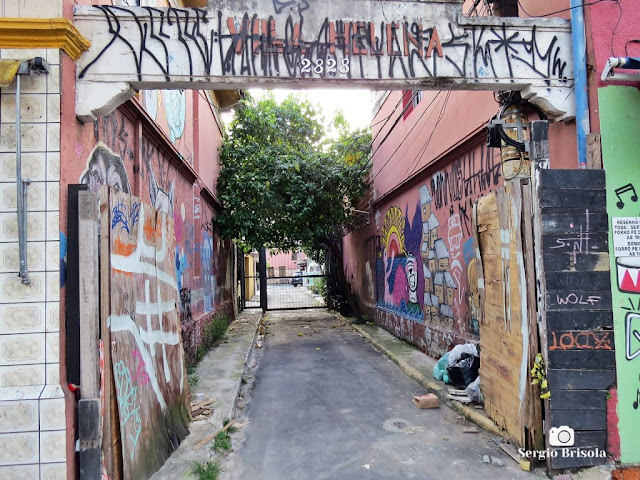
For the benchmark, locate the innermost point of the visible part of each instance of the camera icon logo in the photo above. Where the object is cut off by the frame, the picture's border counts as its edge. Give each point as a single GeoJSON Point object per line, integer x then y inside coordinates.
{"type": "Point", "coordinates": [563, 436]}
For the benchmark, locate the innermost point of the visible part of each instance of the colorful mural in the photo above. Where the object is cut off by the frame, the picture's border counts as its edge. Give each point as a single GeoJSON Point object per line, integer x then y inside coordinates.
{"type": "Point", "coordinates": [402, 270]}
{"type": "Point", "coordinates": [148, 172]}
{"type": "Point", "coordinates": [426, 273]}
{"type": "Point", "coordinates": [620, 123]}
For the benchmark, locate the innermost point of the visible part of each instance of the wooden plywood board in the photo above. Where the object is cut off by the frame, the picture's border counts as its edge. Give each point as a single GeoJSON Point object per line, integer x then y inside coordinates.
{"type": "Point", "coordinates": [534, 431]}
{"type": "Point", "coordinates": [479, 264]}
{"type": "Point", "coordinates": [493, 281]}
{"type": "Point", "coordinates": [146, 345]}
{"type": "Point", "coordinates": [505, 309]}
{"type": "Point", "coordinates": [111, 447]}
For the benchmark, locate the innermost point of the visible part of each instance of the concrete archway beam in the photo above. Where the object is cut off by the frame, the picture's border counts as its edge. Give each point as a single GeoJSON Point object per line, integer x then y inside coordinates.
{"type": "Point", "coordinates": [312, 43]}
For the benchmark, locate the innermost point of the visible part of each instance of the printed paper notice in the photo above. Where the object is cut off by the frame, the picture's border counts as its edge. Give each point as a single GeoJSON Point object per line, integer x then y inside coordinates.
{"type": "Point", "coordinates": [626, 236]}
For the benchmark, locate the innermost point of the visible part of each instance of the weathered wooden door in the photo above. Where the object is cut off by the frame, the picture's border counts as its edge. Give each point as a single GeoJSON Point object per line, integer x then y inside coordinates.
{"type": "Point", "coordinates": [144, 359]}
{"type": "Point", "coordinates": [508, 327]}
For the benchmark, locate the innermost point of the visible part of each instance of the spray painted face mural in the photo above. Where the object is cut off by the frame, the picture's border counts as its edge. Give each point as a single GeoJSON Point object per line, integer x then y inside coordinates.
{"type": "Point", "coordinates": [105, 167]}
{"type": "Point", "coordinates": [412, 277]}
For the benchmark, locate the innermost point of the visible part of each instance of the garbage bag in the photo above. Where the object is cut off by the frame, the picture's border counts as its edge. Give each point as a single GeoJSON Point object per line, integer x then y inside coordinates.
{"type": "Point", "coordinates": [473, 391]}
{"type": "Point", "coordinates": [464, 371]}
{"type": "Point", "coordinates": [440, 368]}
{"type": "Point", "coordinates": [456, 352]}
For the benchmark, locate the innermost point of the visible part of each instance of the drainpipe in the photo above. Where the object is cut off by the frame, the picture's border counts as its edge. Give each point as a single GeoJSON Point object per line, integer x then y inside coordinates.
{"type": "Point", "coordinates": [37, 65]}
{"type": "Point", "coordinates": [580, 73]}
{"type": "Point", "coordinates": [21, 189]}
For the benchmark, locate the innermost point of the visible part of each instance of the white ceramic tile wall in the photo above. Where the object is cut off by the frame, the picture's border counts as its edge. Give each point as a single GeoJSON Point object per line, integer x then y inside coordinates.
{"type": "Point", "coordinates": [32, 405]}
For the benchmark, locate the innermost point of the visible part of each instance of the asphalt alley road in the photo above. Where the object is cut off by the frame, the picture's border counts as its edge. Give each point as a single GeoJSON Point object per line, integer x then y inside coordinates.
{"type": "Point", "coordinates": [327, 405]}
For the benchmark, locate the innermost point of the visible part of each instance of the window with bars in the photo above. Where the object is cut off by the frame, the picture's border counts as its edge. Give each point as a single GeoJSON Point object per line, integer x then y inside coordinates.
{"type": "Point", "coordinates": [410, 100]}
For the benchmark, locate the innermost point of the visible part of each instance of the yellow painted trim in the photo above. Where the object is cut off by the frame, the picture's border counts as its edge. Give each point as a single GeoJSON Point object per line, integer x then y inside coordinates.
{"type": "Point", "coordinates": [57, 33]}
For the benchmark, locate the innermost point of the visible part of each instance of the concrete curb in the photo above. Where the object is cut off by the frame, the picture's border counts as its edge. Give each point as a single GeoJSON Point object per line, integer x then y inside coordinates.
{"type": "Point", "coordinates": [232, 410]}
{"type": "Point", "coordinates": [438, 389]}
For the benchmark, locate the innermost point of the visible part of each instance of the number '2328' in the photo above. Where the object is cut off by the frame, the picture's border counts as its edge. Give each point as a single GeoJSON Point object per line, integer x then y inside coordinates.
{"type": "Point", "coordinates": [319, 66]}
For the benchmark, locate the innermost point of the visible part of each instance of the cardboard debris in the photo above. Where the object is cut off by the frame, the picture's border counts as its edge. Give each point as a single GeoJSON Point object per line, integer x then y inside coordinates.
{"type": "Point", "coordinates": [427, 401]}
{"type": "Point", "coordinates": [200, 408]}
{"type": "Point", "coordinates": [455, 391]}
{"type": "Point", "coordinates": [459, 398]}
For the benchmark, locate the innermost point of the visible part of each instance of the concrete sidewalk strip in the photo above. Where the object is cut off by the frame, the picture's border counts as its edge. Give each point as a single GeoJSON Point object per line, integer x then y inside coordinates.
{"type": "Point", "coordinates": [219, 376]}
{"type": "Point", "coordinates": [419, 366]}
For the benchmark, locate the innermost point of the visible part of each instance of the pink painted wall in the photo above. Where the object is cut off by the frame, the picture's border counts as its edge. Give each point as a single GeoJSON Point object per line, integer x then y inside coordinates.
{"type": "Point", "coordinates": [206, 127]}
{"type": "Point", "coordinates": [612, 31]}
{"type": "Point", "coordinates": [613, 435]}
{"type": "Point", "coordinates": [108, 152]}
{"type": "Point", "coordinates": [119, 149]}
{"type": "Point", "coordinates": [427, 228]}
{"type": "Point", "coordinates": [421, 140]}
{"type": "Point", "coordinates": [276, 260]}
{"type": "Point", "coordinates": [439, 145]}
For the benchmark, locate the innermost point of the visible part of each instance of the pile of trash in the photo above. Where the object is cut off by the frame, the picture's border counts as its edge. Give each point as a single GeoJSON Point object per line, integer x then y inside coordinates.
{"type": "Point", "coordinates": [460, 368]}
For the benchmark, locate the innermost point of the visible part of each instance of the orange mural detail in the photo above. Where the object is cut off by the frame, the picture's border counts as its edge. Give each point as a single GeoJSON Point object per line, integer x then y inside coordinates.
{"type": "Point", "coordinates": [152, 230]}
{"type": "Point", "coordinates": [124, 249]}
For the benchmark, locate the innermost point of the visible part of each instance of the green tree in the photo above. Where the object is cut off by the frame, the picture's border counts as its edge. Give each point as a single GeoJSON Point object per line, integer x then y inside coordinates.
{"type": "Point", "coordinates": [284, 184]}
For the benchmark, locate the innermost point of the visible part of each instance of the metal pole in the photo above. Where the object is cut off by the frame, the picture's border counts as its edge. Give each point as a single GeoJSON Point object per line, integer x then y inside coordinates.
{"type": "Point", "coordinates": [579, 41]}
{"type": "Point", "coordinates": [264, 304]}
{"type": "Point", "coordinates": [242, 273]}
{"type": "Point", "coordinates": [21, 193]}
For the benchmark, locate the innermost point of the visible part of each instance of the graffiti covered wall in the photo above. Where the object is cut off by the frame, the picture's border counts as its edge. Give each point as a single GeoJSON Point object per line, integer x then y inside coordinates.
{"type": "Point", "coordinates": [620, 123]}
{"type": "Point", "coordinates": [146, 348]}
{"type": "Point", "coordinates": [426, 282]}
{"type": "Point", "coordinates": [113, 152]}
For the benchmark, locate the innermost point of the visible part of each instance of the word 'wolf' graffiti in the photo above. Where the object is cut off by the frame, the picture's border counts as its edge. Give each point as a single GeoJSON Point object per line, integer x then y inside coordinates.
{"type": "Point", "coordinates": [220, 43]}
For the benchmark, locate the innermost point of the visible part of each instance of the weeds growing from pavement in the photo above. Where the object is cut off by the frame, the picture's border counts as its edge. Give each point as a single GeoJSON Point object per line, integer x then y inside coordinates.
{"type": "Point", "coordinates": [231, 429]}
{"type": "Point", "coordinates": [192, 376]}
{"type": "Point", "coordinates": [206, 471]}
{"type": "Point", "coordinates": [213, 333]}
{"type": "Point", "coordinates": [222, 441]}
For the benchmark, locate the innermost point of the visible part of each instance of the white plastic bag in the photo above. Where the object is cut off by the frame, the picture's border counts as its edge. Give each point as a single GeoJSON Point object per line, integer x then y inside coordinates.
{"type": "Point", "coordinates": [458, 350]}
{"type": "Point", "coordinates": [473, 391]}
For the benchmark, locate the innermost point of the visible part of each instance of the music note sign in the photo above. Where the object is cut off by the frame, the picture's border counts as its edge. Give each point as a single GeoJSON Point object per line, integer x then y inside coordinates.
{"type": "Point", "coordinates": [624, 189]}
{"type": "Point", "coordinates": [635, 404]}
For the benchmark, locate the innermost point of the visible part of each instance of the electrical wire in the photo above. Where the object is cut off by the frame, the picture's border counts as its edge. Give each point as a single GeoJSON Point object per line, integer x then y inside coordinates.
{"type": "Point", "coordinates": [400, 117]}
{"type": "Point", "coordinates": [416, 161]}
{"type": "Point", "coordinates": [213, 109]}
{"type": "Point", "coordinates": [565, 9]}
{"type": "Point", "coordinates": [385, 119]}
{"type": "Point", "coordinates": [613, 33]}
{"type": "Point", "coordinates": [405, 137]}
{"type": "Point", "coordinates": [473, 8]}
{"type": "Point", "coordinates": [406, 107]}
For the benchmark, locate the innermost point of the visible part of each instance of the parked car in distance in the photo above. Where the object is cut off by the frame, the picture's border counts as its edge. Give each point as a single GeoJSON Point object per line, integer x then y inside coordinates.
{"type": "Point", "coordinates": [297, 279]}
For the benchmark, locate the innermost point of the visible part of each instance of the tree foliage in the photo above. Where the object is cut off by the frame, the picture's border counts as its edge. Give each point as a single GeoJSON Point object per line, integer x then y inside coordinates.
{"type": "Point", "coordinates": [284, 183]}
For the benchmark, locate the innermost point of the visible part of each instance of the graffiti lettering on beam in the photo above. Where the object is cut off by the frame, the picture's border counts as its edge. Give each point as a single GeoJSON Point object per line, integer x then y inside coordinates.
{"type": "Point", "coordinates": [392, 45]}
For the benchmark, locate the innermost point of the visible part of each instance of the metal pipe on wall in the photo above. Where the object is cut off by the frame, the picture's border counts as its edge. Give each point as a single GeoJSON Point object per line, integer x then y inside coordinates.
{"type": "Point", "coordinates": [36, 65]}
{"type": "Point", "coordinates": [579, 41]}
{"type": "Point", "coordinates": [21, 187]}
